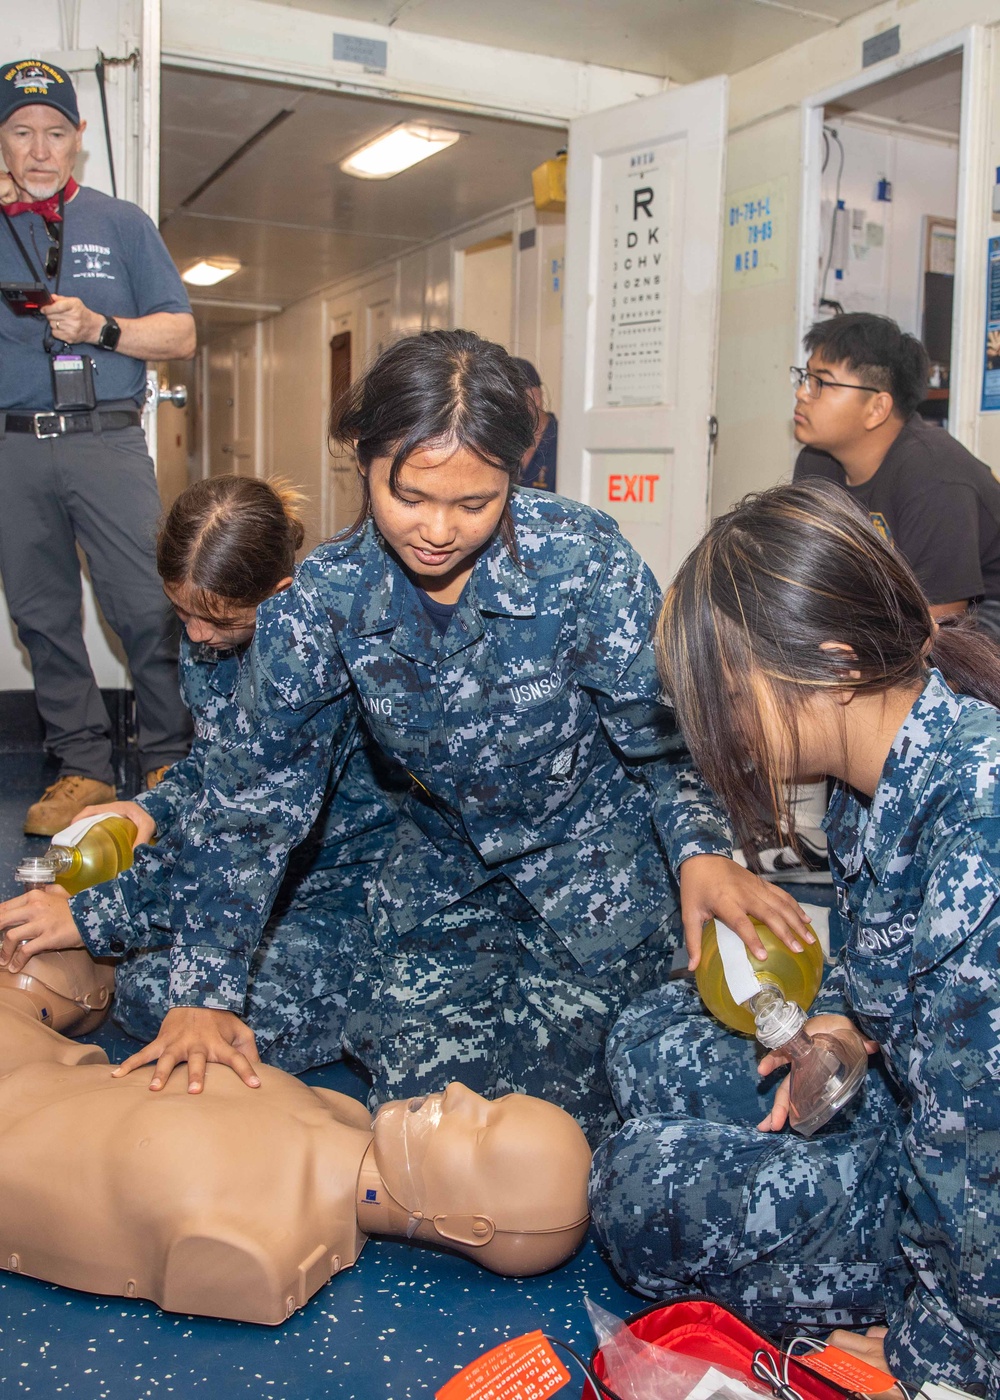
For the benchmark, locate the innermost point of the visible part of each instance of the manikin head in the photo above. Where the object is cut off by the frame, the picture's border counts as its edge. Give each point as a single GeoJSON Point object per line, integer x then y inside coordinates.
{"type": "Point", "coordinates": [503, 1181]}
{"type": "Point", "coordinates": [40, 128]}
{"type": "Point", "coordinates": [68, 991]}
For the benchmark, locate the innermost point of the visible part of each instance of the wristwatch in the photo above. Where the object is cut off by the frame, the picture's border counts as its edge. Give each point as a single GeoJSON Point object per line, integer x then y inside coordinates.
{"type": "Point", "coordinates": [111, 333]}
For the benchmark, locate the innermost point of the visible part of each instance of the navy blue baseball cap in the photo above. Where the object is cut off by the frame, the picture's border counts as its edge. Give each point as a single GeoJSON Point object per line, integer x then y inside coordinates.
{"type": "Point", "coordinates": [28, 81]}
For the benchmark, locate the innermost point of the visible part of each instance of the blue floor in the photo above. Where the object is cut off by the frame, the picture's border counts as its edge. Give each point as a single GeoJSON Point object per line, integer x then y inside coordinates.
{"type": "Point", "coordinates": [398, 1324]}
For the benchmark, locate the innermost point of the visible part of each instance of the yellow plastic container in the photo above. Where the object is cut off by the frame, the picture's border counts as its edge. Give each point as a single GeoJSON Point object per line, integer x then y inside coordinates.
{"type": "Point", "coordinates": [101, 853]}
{"type": "Point", "coordinates": [548, 184]}
{"type": "Point", "coordinates": [797, 975]}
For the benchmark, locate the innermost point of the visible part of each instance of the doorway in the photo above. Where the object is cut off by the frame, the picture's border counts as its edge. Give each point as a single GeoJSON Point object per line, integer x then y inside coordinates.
{"type": "Point", "coordinates": [887, 212]}
{"type": "Point", "coordinates": [253, 187]}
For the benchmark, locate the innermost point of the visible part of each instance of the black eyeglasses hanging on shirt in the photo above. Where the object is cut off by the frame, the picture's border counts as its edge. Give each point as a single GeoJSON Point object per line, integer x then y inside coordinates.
{"type": "Point", "coordinates": [27, 299]}
{"type": "Point", "coordinates": [72, 374]}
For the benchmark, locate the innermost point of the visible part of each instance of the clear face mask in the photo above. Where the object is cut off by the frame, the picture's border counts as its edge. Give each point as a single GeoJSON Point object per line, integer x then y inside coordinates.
{"type": "Point", "coordinates": [404, 1179]}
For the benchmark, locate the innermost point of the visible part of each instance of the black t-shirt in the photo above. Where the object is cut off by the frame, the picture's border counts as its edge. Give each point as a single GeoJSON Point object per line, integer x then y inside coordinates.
{"type": "Point", "coordinates": [440, 613]}
{"type": "Point", "coordinates": [936, 503]}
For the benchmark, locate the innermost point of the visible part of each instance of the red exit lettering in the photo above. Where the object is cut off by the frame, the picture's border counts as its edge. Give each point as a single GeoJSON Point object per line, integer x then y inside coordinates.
{"type": "Point", "coordinates": [640, 488]}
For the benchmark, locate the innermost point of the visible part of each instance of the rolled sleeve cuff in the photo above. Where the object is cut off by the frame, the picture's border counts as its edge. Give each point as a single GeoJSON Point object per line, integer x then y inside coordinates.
{"type": "Point", "coordinates": [103, 920]}
{"type": "Point", "coordinates": [206, 976]}
{"type": "Point", "coordinates": [683, 845]}
{"type": "Point", "coordinates": [831, 999]}
{"type": "Point", "coordinates": [691, 823]}
{"type": "Point", "coordinates": [926, 1342]}
{"type": "Point", "coordinates": [159, 805]}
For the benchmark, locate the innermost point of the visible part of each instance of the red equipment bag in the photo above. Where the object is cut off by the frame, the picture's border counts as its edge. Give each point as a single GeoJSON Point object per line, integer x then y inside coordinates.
{"type": "Point", "coordinates": [713, 1333]}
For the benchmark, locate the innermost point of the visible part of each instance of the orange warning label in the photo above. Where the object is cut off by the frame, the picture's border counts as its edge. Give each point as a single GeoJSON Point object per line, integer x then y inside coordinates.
{"type": "Point", "coordinates": [525, 1368]}
{"type": "Point", "coordinates": [848, 1371]}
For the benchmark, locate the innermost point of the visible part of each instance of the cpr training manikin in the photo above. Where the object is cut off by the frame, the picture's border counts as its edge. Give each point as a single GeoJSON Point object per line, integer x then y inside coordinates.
{"type": "Point", "coordinates": [242, 1203]}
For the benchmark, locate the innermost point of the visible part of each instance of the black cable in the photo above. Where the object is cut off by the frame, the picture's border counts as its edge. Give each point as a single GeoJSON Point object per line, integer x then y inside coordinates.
{"type": "Point", "coordinates": [99, 70]}
{"type": "Point", "coordinates": [230, 161]}
{"type": "Point", "coordinates": [833, 221]}
{"type": "Point", "coordinates": [579, 1361]}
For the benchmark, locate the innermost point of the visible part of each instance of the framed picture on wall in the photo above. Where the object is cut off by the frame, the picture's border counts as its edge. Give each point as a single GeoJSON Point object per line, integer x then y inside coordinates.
{"type": "Point", "coordinates": [939, 245]}
{"type": "Point", "coordinates": [938, 294]}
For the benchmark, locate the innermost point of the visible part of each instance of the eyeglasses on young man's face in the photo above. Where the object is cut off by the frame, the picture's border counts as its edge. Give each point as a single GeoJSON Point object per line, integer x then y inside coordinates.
{"type": "Point", "coordinates": [814, 385]}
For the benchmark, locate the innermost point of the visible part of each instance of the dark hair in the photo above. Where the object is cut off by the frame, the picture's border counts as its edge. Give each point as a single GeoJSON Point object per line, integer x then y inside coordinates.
{"type": "Point", "coordinates": [231, 538]}
{"type": "Point", "coordinates": [436, 389]}
{"type": "Point", "coordinates": [879, 353]}
{"type": "Point", "coordinates": [752, 605]}
{"type": "Point", "coordinates": [531, 376]}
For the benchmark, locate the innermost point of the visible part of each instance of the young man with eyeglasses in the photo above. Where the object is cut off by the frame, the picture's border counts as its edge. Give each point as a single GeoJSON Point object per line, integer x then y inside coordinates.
{"type": "Point", "coordinates": [74, 467]}
{"type": "Point", "coordinates": [855, 416]}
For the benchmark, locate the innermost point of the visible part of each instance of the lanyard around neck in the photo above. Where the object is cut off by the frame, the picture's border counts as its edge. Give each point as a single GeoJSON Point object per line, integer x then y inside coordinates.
{"type": "Point", "coordinates": [58, 237]}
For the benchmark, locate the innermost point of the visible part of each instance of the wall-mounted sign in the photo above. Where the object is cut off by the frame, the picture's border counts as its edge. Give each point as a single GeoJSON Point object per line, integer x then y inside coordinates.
{"type": "Point", "coordinates": [991, 350]}
{"type": "Point", "coordinates": [372, 54]}
{"type": "Point", "coordinates": [634, 487]}
{"type": "Point", "coordinates": [755, 235]}
{"type": "Point", "coordinates": [880, 47]}
{"type": "Point", "coordinates": [630, 365]}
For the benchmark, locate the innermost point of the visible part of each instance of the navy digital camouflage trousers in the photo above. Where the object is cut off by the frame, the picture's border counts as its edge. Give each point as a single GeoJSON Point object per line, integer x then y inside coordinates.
{"type": "Point", "coordinates": [485, 993]}
{"type": "Point", "coordinates": [689, 1197]}
{"type": "Point", "coordinates": [297, 992]}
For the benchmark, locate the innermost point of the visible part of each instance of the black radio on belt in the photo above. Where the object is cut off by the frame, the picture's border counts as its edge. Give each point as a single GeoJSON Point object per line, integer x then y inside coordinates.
{"type": "Point", "coordinates": [72, 382]}
{"type": "Point", "coordinates": [72, 375]}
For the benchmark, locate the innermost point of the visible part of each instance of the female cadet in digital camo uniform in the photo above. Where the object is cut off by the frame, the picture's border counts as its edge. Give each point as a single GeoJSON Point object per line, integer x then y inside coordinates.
{"type": "Point", "coordinates": [496, 643]}
{"type": "Point", "coordinates": [794, 606]}
{"type": "Point", "coordinates": [226, 544]}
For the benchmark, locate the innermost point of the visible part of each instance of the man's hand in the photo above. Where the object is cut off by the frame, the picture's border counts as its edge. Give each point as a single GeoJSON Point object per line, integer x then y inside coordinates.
{"type": "Point", "coordinates": [36, 922]}
{"type": "Point", "coordinates": [145, 826]}
{"type": "Point", "coordinates": [8, 190]}
{"type": "Point", "coordinates": [73, 322]}
{"type": "Point", "coordinates": [715, 887]}
{"type": "Point", "coordinates": [200, 1036]}
{"type": "Point", "coordinates": [778, 1117]}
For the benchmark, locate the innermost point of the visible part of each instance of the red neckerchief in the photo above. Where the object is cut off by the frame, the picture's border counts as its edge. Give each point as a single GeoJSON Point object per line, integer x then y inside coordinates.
{"type": "Point", "coordinates": [48, 208]}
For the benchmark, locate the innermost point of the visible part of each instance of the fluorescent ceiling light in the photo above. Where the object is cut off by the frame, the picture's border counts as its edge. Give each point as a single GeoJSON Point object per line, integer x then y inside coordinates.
{"type": "Point", "coordinates": [397, 150]}
{"type": "Point", "coordinates": [211, 270]}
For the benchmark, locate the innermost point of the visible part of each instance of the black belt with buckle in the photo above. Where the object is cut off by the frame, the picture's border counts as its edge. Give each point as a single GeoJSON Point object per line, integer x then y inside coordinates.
{"type": "Point", "coordinates": [53, 425]}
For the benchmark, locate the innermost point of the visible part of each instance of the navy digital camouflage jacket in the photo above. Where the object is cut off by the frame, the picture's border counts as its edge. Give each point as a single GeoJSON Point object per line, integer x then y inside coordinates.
{"type": "Point", "coordinates": [532, 730]}
{"type": "Point", "coordinates": [354, 824]}
{"type": "Point", "coordinates": [209, 684]}
{"type": "Point", "coordinates": [918, 876]}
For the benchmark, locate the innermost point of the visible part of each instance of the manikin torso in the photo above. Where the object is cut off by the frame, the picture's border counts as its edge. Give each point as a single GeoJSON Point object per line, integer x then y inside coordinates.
{"type": "Point", "coordinates": [124, 1219]}
{"type": "Point", "coordinates": [242, 1203]}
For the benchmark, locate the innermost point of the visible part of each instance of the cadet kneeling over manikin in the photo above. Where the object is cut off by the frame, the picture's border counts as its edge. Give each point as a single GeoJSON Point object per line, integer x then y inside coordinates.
{"type": "Point", "coordinates": [242, 1205]}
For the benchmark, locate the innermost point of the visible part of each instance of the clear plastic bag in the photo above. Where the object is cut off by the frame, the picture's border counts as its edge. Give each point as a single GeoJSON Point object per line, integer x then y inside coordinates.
{"type": "Point", "coordinates": [636, 1370]}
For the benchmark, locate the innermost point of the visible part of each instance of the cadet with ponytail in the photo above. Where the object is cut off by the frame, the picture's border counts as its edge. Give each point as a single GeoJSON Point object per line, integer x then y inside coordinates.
{"type": "Point", "coordinates": [795, 641]}
{"type": "Point", "coordinates": [226, 545]}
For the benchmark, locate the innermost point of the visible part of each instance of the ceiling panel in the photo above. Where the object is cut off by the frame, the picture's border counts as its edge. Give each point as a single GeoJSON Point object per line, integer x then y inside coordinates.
{"type": "Point", "coordinates": [929, 96]}
{"type": "Point", "coordinates": [679, 39]}
{"type": "Point", "coordinates": [293, 219]}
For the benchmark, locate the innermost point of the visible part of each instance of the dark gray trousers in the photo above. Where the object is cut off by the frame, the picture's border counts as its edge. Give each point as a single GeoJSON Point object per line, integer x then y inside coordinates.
{"type": "Point", "coordinates": [98, 490]}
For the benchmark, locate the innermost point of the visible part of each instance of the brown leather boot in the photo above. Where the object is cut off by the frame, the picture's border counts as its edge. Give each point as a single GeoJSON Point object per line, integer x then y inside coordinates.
{"type": "Point", "coordinates": [155, 775]}
{"type": "Point", "coordinates": [59, 804]}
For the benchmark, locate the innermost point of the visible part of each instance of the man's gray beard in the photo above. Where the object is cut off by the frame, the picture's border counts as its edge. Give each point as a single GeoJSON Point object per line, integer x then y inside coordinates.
{"type": "Point", "coordinates": [42, 193]}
